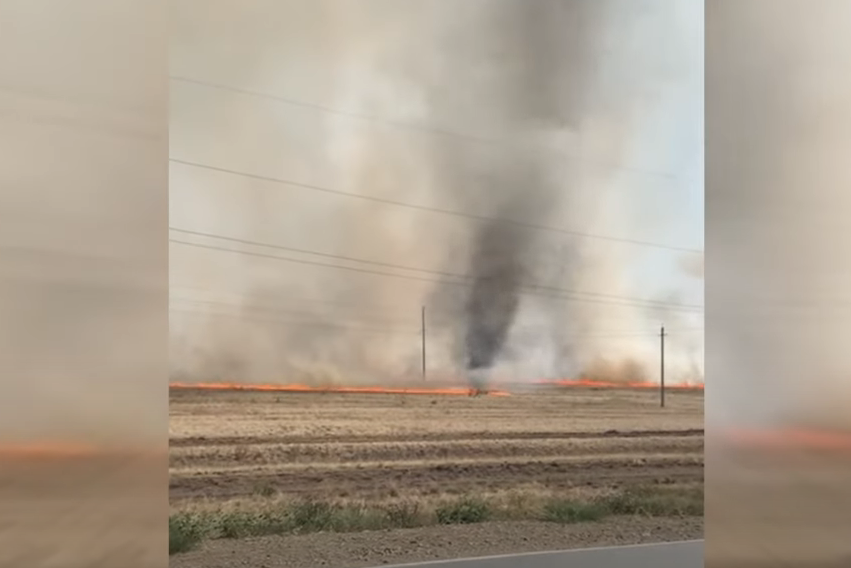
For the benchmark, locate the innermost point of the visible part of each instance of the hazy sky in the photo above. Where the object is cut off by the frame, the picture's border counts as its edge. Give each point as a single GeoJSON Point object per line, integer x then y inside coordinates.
{"type": "Point", "coordinates": [670, 140]}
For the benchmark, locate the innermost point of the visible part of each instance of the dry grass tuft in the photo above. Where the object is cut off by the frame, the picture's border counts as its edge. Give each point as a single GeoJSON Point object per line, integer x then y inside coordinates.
{"type": "Point", "coordinates": [188, 528]}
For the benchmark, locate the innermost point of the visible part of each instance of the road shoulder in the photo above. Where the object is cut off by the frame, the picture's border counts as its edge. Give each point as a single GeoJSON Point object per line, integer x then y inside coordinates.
{"type": "Point", "coordinates": [374, 548]}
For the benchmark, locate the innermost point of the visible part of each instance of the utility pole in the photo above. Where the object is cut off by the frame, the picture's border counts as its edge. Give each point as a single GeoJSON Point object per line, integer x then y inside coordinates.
{"type": "Point", "coordinates": [662, 367]}
{"type": "Point", "coordinates": [424, 342]}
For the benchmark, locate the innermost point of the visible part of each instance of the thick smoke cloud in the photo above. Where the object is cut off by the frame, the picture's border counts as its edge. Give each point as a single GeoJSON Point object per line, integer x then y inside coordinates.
{"type": "Point", "coordinates": [523, 52]}
{"type": "Point", "coordinates": [776, 178]}
{"type": "Point", "coordinates": [525, 98]}
{"type": "Point", "coordinates": [497, 275]}
{"type": "Point", "coordinates": [779, 280]}
{"type": "Point", "coordinates": [82, 202]}
{"type": "Point", "coordinates": [503, 109]}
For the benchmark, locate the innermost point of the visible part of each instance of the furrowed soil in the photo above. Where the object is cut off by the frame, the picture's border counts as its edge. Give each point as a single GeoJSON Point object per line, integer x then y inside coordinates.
{"type": "Point", "coordinates": [248, 449]}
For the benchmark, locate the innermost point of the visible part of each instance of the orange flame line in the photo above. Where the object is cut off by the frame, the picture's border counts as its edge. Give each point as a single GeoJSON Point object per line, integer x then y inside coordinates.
{"type": "Point", "coordinates": [339, 389]}
{"type": "Point", "coordinates": [457, 391]}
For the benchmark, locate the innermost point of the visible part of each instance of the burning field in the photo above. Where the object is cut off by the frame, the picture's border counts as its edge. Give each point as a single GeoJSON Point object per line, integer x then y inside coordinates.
{"type": "Point", "coordinates": [396, 460]}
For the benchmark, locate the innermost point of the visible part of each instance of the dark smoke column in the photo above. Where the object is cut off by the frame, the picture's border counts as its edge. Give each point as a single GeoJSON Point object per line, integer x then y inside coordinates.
{"type": "Point", "coordinates": [529, 98]}
{"type": "Point", "coordinates": [525, 50]}
{"type": "Point", "coordinates": [497, 276]}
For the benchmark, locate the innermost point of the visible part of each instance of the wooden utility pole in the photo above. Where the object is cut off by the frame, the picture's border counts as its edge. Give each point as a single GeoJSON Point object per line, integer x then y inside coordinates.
{"type": "Point", "coordinates": [424, 342]}
{"type": "Point", "coordinates": [662, 367]}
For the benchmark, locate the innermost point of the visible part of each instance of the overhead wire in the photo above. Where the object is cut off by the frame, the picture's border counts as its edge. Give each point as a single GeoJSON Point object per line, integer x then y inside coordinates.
{"type": "Point", "coordinates": [525, 291]}
{"type": "Point", "coordinates": [419, 127]}
{"type": "Point", "coordinates": [437, 210]}
{"type": "Point", "coordinates": [462, 277]}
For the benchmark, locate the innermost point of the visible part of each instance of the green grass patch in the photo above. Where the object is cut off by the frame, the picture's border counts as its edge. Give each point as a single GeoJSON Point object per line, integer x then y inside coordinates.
{"type": "Point", "coordinates": [405, 514]}
{"type": "Point", "coordinates": [565, 511]}
{"type": "Point", "coordinates": [358, 517]}
{"type": "Point", "coordinates": [187, 530]}
{"type": "Point", "coordinates": [312, 515]}
{"type": "Point", "coordinates": [240, 524]}
{"type": "Point", "coordinates": [463, 511]}
{"type": "Point", "coordinates": [656, 502]}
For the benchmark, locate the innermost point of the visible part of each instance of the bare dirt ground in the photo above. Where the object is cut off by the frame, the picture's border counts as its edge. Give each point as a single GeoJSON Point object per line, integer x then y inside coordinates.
{"type": "Point", "coordinates": [248, 446]}
{"type": "Point", "coordinates": [227, 445]}
{"type": "Point", "coordinates": [357, 550]}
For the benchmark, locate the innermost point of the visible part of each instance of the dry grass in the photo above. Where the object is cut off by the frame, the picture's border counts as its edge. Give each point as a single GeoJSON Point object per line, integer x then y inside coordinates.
{"type": "Point", "coordinates": [283, 455]}
{"type": "Point", "coordinates": [189, 527]}
{"type": "Point", "coordinates": [294, 416]}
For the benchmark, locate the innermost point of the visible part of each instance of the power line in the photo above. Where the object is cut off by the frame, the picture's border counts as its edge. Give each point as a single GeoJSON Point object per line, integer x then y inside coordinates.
{"type": "Point", "coordinates": [398, 124]}
{"type": "Point", "coordinates": [285, 310]}
{"type": "Point", "coordinates": [302, 300]}
{"type": "Point", "coordinates": [390, 330]}
{"type": "Point", "coordinates": [467, 277]}
{"type": "Point", "coordinates": [459, 214]}
{"type": "Point", "coordinates": [411, 277]}
{"type": "Point", "coordinates": [376, 309]}
{"type": "Point", "coordinates": [302, 323]}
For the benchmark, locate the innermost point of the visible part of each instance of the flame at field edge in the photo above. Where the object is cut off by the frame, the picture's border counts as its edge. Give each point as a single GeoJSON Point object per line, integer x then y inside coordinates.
{"type": "Point", "coordinates": [296, 388]}
{"type": "Point", "coordinates": [422, 390]}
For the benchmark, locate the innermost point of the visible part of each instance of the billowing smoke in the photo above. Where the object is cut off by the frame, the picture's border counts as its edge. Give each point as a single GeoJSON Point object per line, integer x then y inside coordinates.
{"type": "Point", "coordinates": [776, 171]}
{"type": "Point", "coordinates": [524, 97]}
{"type": "Point", "coordinates": [494, 297]}
{"type": "Point", "coordinates": [82, 192]}
{"type": "Point", "coordinates": [507, 110]}
{"type": "Point", "coordinates": [527, 58]}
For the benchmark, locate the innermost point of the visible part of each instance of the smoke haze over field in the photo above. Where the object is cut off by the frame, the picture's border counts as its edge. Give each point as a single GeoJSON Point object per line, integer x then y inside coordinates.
{"type": "Point", "coordinates": [502, 109]}
{"type": "Point", "coordinates": [83, 197]}
{"type": "Point", "coordinates": [525, 95]}
{"type": "Point", "coordinates": [777, 185]}
{"type": "Point", "coordinates": [779, 282]}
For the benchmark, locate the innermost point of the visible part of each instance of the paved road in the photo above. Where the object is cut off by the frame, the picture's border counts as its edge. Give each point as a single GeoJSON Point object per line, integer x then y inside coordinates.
{"type": "Point", "coordinates": [687, 554]}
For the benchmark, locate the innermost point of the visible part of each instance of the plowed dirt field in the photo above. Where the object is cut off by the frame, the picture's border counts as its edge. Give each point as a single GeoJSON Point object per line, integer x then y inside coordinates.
{"type": "Point", "coordinates": [241, 449]}
{"type": "Point", "coordinates": [226, 445]}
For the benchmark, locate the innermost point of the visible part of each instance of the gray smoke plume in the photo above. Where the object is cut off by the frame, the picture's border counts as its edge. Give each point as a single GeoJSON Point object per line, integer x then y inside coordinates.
{"type": "Point", "coordinates": [498, 273]}
{"type": "Point", "coordinates": [524, 50]}
{"type": "Point", "coordinates": [776, 178]}
{"type": "Point", "coordinates": [507, 109]}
